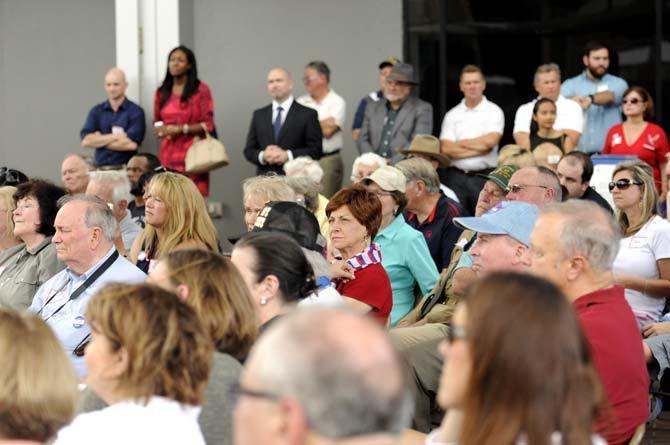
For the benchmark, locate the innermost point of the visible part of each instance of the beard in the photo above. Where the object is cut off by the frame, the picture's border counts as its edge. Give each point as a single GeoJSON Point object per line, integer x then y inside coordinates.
{"type": "Point", "coordinates": [135, 190]}
{"type": "Point", "coordinates": [595, 73]}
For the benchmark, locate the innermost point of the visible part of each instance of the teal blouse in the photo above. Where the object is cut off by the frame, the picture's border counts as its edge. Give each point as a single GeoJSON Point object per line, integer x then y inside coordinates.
{"type": "Point", "coordinates": [407, 261]}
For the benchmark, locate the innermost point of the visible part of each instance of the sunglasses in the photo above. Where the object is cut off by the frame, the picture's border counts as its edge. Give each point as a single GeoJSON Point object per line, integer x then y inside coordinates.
{"type": "Point", "coordinates": [516, 188]}
{"type": "Point", "coordinates": [622, 184]}
{"type": "Point", "coordinates": [633, 101]}
{"type": "Point", "coordinates": [79, 350]}
{"type": "Point", "coordinates": [455, 333]}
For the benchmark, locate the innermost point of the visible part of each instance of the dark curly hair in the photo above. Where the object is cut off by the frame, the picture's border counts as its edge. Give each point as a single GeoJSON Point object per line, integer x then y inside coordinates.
{"type": "Point", "coordinates": [47, 195]}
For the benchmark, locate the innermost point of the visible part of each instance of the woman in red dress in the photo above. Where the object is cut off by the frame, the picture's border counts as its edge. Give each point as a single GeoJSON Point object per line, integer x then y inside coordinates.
{"type": "Point", "coordinates": [182, 103]}
{"type": "Point", "coordinates": [639, 137]}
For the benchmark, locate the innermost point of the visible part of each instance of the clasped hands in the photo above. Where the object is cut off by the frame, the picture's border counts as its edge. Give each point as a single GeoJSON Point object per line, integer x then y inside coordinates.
{"type": "Point", "coordinates": [274, 154]}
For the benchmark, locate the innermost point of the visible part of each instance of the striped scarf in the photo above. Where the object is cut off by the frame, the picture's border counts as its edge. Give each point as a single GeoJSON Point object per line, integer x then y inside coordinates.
{"type": "Point", "coordinates": [371, 255]}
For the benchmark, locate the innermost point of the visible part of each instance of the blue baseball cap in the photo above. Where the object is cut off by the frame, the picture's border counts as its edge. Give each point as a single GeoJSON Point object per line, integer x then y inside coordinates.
{"type": "Point", "coordinates": [511, 218]}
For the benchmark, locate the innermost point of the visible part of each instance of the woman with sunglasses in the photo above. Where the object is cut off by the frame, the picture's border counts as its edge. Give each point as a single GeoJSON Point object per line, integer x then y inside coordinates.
{"type": "Point", "coordinates": [642, 265]}
{"type": "Point", "coordinates": [638, 136]}
{"type": "Point", "coordinates": [149, 359]}
{"type": "Point", "coordinates": [552, 393]}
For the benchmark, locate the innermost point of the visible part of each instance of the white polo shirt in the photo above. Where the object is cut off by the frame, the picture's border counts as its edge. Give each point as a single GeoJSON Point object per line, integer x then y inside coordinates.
{"type": "Point", "coordinates": [569, 116]}
{"type": "Point", "coordinates": [462, 122]}
{"type": "Point", "coordinates": [331, 106]}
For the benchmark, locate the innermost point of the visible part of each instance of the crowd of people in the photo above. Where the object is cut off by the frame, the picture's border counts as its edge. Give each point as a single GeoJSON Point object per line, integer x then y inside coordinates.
{"type": "Point", "coordinates": [450, 292]}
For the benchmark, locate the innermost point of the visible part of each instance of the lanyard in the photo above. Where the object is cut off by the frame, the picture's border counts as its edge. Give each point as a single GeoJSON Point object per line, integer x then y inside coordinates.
{"type": "Point", "coordinates": [85, 285]}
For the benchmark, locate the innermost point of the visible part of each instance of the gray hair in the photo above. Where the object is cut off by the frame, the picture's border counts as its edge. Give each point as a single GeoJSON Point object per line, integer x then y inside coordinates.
{"type": "Point", "coordinates": [304, 166]}
{"type": "Point", "coordinates": [367, 159]}
{"type": "Point", "coordinates": [269, 188]}
{"type": "Point", "coordinates": [98, 213]}
{"type": "Point", "coordinates": [304, 186]}
{"type": "Point", "coordinates": [90, 162]}
{"type": "Point", "coordinates": [318, 262]}
{"type": "Point", "coordinates": [418, 169]}
{"type": "Point", "coordinates": [306, 352]}
{"type": "Point", "coordinates": [586, 229]}
{"type": "Point", "coordinates": [117, 180]}
{"type": "Point", "coordinates": [548, 178]}
{"type": "Point", "coordinates": [547, 68]}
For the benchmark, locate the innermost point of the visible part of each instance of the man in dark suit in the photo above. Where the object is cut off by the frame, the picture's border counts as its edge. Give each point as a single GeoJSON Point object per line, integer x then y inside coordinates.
{"type": "Point", "coordinates": [282, 130]}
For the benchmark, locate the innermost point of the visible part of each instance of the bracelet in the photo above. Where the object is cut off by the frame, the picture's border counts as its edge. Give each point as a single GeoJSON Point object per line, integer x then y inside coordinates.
{"type": "Point", "coordinates": [184, 129]}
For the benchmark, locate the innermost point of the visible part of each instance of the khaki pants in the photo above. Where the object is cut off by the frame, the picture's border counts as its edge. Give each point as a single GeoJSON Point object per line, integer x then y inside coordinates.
{"type": "Point", "coordinates": [333, 170]}
{"type": "Point", "coordinates": [418, 347]}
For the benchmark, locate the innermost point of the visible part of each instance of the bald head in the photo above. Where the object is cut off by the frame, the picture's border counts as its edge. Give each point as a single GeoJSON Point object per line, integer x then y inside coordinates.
{"type": "Point", "coordinates": [280, 84]}
{"type": "Point", "coordinates": [339, 367]}
{"type": "Point", "coordinates": [115, 84]}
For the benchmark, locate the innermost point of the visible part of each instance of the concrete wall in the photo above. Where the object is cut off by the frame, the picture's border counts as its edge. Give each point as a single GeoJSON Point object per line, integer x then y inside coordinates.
{"type": "Point", "coordinates": [53, 56]}
{"type": "Point", "coordinates": [237, 42]}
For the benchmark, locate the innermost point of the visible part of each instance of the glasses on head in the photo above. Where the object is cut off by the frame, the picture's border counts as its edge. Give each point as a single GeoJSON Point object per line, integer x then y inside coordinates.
{"type": "Point", "coordinates": [632, 101]}
{"type": "Point", "coordinates": [516, 188]}
{"type": "Point", "coordinates": [236, 390]}
{"type": "Point", "coordinates": [622, 184]}
{"type": "Point", "coordinates": [79, 350]}
{"type": "Point", "coordinates": [455, 333]}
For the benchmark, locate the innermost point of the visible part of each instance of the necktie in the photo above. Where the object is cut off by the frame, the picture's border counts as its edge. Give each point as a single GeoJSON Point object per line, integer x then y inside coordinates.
{"type": "Point", "coordinates": [277, 123]}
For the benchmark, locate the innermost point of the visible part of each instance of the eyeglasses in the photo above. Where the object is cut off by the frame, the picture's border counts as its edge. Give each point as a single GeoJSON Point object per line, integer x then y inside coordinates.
{"type": "Point", "coordinates": [622, 184]}
{"type": "Point", "coordinates": [516, 188]}
{"type": "Point", "coordinates": [79, 350]}
{"type": "Point", "coordinates": [236, 390]}
{"type": "Point", "coordinates": [632, 101]}
{"type": "Point", "coordinates": [455, 333]}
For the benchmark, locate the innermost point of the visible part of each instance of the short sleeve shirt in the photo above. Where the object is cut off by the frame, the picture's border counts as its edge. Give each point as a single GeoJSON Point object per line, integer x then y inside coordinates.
{"type": "Point", "coordinates": [651, 147]}
{"type": "Point", "coordinates": [569, 116]}
{"type": "Point", "coordinates": [637, 256]}
{"type": "Point", "coordinates": [462, 122]}
{"type": "Point", "coordinates": [331, 106]}
{"type": "Point", "coordinates": [372, 287]}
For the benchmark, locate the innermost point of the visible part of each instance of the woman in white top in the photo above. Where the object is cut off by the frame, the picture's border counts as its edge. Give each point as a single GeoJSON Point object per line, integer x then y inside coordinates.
{"type": "Point", "coordinates": [517, 368]}
{"type": "Point", "coordinates": [149, 359]}
{"type": "Point", "coordinates": [642, 265]}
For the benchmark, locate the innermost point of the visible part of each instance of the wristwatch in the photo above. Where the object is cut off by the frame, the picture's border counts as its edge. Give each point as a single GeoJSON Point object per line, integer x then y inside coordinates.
{"type": "Point", "coordinates": [184, 129]}
{"type": "Point", "coordinates": [592, 99]}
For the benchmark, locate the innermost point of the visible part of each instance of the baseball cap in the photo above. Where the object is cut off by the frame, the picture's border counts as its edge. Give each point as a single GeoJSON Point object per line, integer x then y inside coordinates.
{"type": "Point", "coordinates": [292, 219]}
{"type": "Point", "coordinates": [501, 175]}
{"type": "Point", "coordinates": [512, 218]}
{"type": "Point", "coordinates": [389, 61]}
{"type": "Point", "coordinates": [388, 178]}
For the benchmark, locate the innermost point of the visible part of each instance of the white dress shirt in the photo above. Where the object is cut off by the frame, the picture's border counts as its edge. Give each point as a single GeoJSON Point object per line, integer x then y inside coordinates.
{"type": "Point", "coordinates": [462, 122]}
{"type": "Point", "coordinates": [331, 106]}
{"type": "Point", "coordinates": [286, 105]}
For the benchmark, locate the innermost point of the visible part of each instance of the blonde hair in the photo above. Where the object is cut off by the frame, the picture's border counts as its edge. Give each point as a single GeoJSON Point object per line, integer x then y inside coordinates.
{"type": "Point", "coordinates": [642, 172]}
{"type": "Point", "coordinates": [169, 354]}
{"type": "Point", "coordinates": [516, 156]}
{"type": "Point", "coordinates": [219, 295]}
{"type": "Point", "coordinates": [38, 385]}
{"type": "Point", "coordinates": [268, 188]}
{"type": "Point", "coordinates": [7, 198]}
{"type": "Point", "coordinates": [187, 216]}
{"type": "Point", "coordinates": [547, 155]}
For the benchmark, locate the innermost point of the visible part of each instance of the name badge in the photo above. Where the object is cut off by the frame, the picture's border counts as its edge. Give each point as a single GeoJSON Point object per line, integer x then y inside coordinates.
{"type": "Point", "coordinates": [602, 87]}
{"type": "Point", "coordinates": [117, 130]}
{"type": "Point", "coordinates": [616, 139]}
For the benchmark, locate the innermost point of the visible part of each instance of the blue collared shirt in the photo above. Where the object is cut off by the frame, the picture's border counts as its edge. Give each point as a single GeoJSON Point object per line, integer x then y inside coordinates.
{"type": "Point", "coordinates": [102, 118]}
{"type": "Point", "coordinates": [598, 118]}
{"type": "Point", "coordinates": [69, 323]}
{"type": "Point", "coordinates": [407, 261]}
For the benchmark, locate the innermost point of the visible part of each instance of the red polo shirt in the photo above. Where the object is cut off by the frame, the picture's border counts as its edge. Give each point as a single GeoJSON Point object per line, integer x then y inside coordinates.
{"type": "Point", "coordinates": [616, 347]}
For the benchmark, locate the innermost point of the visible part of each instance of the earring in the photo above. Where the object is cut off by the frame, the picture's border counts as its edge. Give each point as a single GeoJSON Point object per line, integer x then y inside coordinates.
{"type": "Point", "coordinates": [264, 301]}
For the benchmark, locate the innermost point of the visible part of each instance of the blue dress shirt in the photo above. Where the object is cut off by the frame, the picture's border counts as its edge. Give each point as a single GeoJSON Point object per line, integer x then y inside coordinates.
{"type": "Point", "coordinates": [69, 324]}
{"type": "Point", "coordinates": [598, 118]}
{"type": "Point", "coordinates": [102, 118]}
